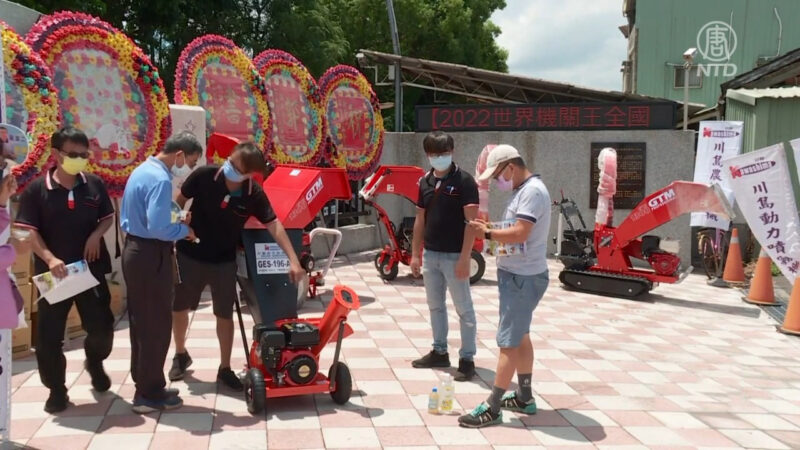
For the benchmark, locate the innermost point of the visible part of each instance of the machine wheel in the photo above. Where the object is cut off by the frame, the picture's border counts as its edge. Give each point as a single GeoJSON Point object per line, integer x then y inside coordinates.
{"type": "Point", "coordinates": [255, 391]}
{"type": "Point", "coordinates": [387, 273]}
{"type": "Point", "coordinates": [378, 261]}
{"type": "Point", "coordinates": [477, 266]}
{"type": "Point", "coordinates": [709, 255]}
{"type": "Point", "coordinates": [344, 384]}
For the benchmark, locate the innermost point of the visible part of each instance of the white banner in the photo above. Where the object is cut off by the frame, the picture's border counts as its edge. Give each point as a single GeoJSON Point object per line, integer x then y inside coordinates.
{"type": "Point", "coordinates": [760, 181]}
{"type": "Point", "coordinates": [796, 147]}
{"type": "Point", "coordinates": [718, 141]}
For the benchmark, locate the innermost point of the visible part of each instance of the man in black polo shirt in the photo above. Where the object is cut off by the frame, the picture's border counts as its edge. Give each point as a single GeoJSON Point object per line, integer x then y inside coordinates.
{"type": "Point", "coordinates": [448, 197]}
{"type": "Point", "coordinates": [68, 211]}
{"type": "Point", "coordinates": [224, 198]}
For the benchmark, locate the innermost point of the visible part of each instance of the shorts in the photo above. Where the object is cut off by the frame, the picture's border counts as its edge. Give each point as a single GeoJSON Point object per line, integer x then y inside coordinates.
{"type": "Point", "coordinates": [196, 275]}
{"type": "Point", "coordinates": [519, 296]}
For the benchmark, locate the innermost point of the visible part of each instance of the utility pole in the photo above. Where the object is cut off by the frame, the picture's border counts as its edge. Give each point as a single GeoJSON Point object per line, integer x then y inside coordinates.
{"type": "Point", "coordinates": [398, 82]}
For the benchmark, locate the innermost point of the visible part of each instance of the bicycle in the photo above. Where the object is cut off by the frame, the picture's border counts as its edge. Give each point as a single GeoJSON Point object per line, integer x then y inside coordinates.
{"type": "Point", "coordinates": [711, 249]}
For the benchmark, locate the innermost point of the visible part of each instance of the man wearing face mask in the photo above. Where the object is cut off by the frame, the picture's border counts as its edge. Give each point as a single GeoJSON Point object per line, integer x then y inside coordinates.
{"type": "Point", "coordinates": [184, 165]}
{"type": "Point", "coordinates": [68, 211]}
{"type": "Point", "coordinates": [447, 198]}
{"type": "Point", "coordinates": [223, 198]}
{"type": "Point", "coordinates": [522, 279]}
{"type": "Point", "coordinates": [148, 263]}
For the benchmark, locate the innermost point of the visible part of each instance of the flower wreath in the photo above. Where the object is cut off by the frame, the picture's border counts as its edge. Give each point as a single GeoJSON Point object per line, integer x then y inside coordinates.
{"type": "Point", "coordinates": [71, 43]}
{"type": "Point", "coordinates": [275, 65]}
{"type": "Point", "coordinates": [32, 80]}
{"type": "Point", "coordinates": [359, 163]}
{"type": "Point", "coordinates": [194, 60]}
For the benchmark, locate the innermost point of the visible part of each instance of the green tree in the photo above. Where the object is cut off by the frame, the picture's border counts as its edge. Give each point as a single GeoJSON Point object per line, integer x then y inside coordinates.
{"type": "Point", "coordinates": [321, 33]}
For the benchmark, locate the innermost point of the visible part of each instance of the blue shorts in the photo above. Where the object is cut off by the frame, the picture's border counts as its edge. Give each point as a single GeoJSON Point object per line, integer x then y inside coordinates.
{"type": "Point", "coordinates": [519, 296]}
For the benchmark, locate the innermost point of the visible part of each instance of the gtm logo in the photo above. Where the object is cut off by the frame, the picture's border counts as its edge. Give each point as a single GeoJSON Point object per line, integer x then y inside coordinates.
{"type": "Point", "coordinates": [661, 199]}
{"type": "Point", "coordinates": [314, 191]}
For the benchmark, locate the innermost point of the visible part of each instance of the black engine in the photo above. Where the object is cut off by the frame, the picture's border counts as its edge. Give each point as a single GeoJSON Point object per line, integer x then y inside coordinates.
{"type": "Point", "coordinates": [286, 351]}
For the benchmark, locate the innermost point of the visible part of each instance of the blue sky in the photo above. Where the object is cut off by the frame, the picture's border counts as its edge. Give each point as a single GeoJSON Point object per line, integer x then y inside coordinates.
{"type": "Point", "coordinates": [573, 41]}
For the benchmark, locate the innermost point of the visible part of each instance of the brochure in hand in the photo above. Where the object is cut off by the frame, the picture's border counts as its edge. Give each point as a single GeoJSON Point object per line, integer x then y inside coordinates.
{"type": "Point", "coordinates": [495, 248]}
{"type": "Point", "coordinates": [53, 289]}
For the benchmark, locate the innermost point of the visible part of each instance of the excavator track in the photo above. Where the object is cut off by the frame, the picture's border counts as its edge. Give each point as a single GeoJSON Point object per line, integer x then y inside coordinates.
{"type": "Point", "coordinates": [605, 283]}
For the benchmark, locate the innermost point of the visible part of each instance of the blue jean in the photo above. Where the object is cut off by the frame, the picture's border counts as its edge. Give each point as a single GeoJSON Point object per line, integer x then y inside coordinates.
{"type": "Point", "coordinates": [438, 270]}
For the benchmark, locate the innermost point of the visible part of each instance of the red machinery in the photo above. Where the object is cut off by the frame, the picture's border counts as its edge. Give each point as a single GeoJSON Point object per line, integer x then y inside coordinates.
{"type": "Point", "coordinates": [599, 261]}
{"type": "Point", "coordinates": [297, 195]}
{"type": "Point", "coordinates": [404, 181]}
{"type": "Point", "coordinates": [283, 359]}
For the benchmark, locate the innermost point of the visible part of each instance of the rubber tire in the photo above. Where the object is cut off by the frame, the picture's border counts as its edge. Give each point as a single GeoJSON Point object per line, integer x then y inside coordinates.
{"type": "Point", "coordinates": [390, 274]}
{"type": "Point", "coordinates": [710, 262]}
{"type": "Point", "coordinates": [255, 391]}
{"type": "Point", "coordinates": [344, 384]}
{"type": "Point", "coordinates": [378, 261]}
{"type": "Point", "coordinates": [478, 258]}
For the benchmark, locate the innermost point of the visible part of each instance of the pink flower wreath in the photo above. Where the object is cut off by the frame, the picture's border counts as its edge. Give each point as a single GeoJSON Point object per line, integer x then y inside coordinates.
{"type": "Point", "coordinates": [128, 98]}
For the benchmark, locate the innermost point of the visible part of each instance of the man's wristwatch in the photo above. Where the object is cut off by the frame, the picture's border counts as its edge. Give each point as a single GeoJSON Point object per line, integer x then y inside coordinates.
{"type": "Point", "coordinates": [487, 235]}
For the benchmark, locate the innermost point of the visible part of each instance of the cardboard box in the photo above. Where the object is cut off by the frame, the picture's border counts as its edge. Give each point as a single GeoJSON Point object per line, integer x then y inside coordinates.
{"type": "Point", "coordinates": [34, 299]}
{"type": "Point", "coordinates": [26, 290]}
{"type": "Point", "coordinates": [73, 318]}
{"type": "Point", "coordinates": [118, 302]}
{"type": "Point", "coordinates": [20, 342]}
{"type": "Point", "coordinates": [23, 267]}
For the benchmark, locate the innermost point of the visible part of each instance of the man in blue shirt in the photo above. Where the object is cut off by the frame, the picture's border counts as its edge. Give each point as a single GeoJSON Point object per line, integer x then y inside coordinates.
{"type": "Point", "coordinates": [148, 265]}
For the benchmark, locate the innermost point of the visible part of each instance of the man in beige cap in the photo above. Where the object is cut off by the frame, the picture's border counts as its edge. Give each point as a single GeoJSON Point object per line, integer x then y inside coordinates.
{"type": "Point", "coordinates": [522, 279]}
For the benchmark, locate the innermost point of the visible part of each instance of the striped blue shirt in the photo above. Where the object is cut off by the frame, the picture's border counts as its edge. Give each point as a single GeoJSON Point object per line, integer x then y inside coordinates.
{"type": "Point", "coordinates": [147, 204]}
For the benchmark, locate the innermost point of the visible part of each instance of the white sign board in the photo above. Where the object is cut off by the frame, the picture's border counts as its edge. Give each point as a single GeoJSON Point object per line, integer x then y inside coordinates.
{"type": "Point", "coordinates": [270, 259]}
{"type": "Point", "coordinates": [718, 141]}
{"type": "Point", "coordinates": [760, 181]}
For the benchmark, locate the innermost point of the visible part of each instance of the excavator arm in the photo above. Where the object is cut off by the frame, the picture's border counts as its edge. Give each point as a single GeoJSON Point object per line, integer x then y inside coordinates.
{"type": "Point", "coordinates": [666, 204]}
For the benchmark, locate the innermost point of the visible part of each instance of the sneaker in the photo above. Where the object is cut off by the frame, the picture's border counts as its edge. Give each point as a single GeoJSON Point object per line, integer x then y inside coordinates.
{"type": "Point", "coordinates": [56, 402]}
{"type": "Point", "coordinates": [180, 362]}
{"type": "Point", "coordinates": [142, 405]}
{"type": "Point", "coordinates": [100, 380]}
{"type": "Point", "coordinates": [432, 359]}
{"type": "Point", "coordinates": [481, 416]}
{"type": "Point", "coordinates": [230, 379]}
{"type": "Point", "coordinates": [171, 392]}
{"type": "Point", "coordinates": [511, 402]}
{"type": "Point", "coordinates": [466, 370]}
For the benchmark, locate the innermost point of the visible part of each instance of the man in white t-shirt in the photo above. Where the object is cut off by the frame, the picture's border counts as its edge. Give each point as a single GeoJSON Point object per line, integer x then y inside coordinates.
{"type": "Point", "coordinates": [522, 279]}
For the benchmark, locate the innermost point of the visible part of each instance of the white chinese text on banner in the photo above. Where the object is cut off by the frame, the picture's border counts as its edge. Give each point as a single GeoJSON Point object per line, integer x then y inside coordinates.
{"type": "Point", "coordinates": [717, 141]}
{"type": "Point", "coordinates": [760, 181]}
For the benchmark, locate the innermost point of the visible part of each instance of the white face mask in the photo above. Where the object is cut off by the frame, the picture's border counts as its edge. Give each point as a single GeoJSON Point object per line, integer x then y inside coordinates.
{"type": "Point", "coordinates": [181, 172]}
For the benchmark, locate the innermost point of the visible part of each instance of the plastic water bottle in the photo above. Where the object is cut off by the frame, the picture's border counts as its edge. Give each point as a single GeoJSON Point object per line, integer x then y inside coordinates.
{"type": "Point", "coordinates": [448, 391]}
{"type": "Point", "coordinates": [433, 402]}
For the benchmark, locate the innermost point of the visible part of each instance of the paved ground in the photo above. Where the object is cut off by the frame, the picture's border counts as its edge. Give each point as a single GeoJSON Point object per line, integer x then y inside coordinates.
{"type": "Point", "coordinates": [693, 367]}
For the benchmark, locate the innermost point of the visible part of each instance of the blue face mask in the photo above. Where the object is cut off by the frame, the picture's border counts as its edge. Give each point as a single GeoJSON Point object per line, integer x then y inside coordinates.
{"type": "Point", "coordinates": [231, 173]}
{"type": "Point", "coordinates": [441, 162]}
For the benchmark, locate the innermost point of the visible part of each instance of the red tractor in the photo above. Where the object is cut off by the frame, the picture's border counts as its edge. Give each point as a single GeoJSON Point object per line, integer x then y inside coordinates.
{"type": "Point", "coordinates": [599, 261]}
{"type": "Point", "coordinates": [404, 182]}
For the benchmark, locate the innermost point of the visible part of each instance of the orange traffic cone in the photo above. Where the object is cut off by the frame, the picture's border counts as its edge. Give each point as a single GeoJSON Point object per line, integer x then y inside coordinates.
{"type": "Point", "coordinates": [734, 270]}
{"type": "Point", "coordinates": [791, 324]}
{"type": "Point", "coordinates": [761, 292]}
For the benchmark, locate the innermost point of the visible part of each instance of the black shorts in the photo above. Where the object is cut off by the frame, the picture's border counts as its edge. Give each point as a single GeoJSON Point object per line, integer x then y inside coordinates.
{"type": "Point", "coordinates": [196, 275]}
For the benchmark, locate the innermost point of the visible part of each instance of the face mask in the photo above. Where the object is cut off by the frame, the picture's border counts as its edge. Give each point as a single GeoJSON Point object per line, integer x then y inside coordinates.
{"type": "Point", "coordinates": [181, 172]}
{"type": "Point", "coordinates": [74, 166]}
{"type": "Point", "coordinates": [231, 173]}
{"type": "Point", "coordinates": [441, 163]}
{"type": "Point", "coordinates": [503, 184]}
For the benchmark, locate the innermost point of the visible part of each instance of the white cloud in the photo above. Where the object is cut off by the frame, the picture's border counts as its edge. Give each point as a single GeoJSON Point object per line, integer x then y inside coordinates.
{"type": "Point", "coordinates": [571, 41]}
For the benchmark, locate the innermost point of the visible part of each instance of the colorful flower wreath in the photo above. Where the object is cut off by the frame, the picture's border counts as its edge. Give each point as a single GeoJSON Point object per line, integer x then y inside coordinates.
{"type": "Point", "coordinates": [293, 97]}
{"type": "Point", "coordinates": [213, 57]}
{"type": "Point", "coordinates": [108, 88]}
{"type": "Point", "coordinates": [31, 102]}
{"type": "Point", "coordinates": [354, 121]}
